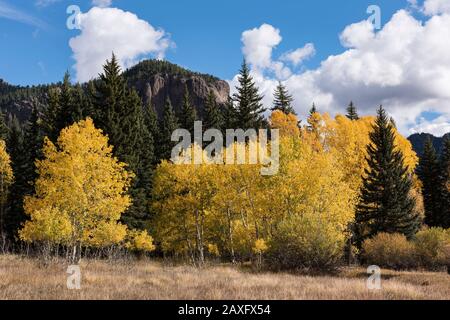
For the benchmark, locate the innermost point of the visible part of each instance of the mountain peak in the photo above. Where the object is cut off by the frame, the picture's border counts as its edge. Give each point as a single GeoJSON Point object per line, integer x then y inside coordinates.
{"type": "Point", "coordinates": [418, 141]}
{"type": "Point", "coordinates": [157, 80]}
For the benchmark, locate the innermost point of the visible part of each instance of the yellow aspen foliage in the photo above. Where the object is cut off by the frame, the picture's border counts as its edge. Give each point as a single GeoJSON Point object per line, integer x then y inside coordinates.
{"type": "Point", "coordinates": [139, 240]}
{"type": "Point", "coordinates": [48, 224]}
{"type": "Point", "coordinates": [260, 246]}
{"type": "Point", "coordinates": [286, 123]}
{"type": "Point", "coordinates": [348, 140]}
{"type": "Point", "coordinates": [6, 179]}
{"type": "Point", "coordinates": [238, 209]}
{"type": "Point", "coordinates": [80, 192]}
{"type": "Point", "coordinates": [315, 122]}
{"type": "Point", "coordinates": [213, 249]}
{"type": "Point", "coordinates": [6, 173]}
{"type": "Point", "coordinates": [311, 183]}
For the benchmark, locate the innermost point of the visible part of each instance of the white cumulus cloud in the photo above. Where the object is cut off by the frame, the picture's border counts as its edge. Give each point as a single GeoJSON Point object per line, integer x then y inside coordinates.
{"type": "Point", "coordinates": [432, 7]}
{"type": "Point", "coordinates": [405, 66]}
{"type": "Point", "coordinates": [107, 30]}
{"type": "Point", "coordinates": [297, 56]}
{"type": "Point", "coordinates": [437, 126]}
{"type": "Point", "coordinates": [258, 45]}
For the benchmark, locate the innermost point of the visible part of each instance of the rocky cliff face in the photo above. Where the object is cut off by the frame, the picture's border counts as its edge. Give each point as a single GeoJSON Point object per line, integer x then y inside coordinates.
{"type": "Point", "coordinates": [157, 80]}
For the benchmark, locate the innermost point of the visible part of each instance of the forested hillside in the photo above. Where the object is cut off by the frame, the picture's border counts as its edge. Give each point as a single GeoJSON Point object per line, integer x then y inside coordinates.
{"type": "Point", "coordinates": [418, 141]}
{"type": "Point", "coordinates": [154, 80]}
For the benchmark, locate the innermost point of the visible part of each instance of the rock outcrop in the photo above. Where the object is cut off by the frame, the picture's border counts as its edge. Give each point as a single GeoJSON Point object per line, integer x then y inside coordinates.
{"type": "Point", "coordinates": [157, 80]}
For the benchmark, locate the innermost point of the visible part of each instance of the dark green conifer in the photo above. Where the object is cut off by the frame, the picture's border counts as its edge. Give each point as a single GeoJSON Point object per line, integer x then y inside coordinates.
{"type": "Point", "coordinates": [249, 109]}
{"type": "Point", "coordinates": [187, 114]}
{"type": "Point", "coordinates": [352, 114]}
{"type": "Point", "coordinates": [445, 183]}
{"type": "Point", "coordinates": [428, 172]}
{"type": "Point", "coordinates": [282, 100]}
{"type": "Point", "coordinates": [169, 123]}
{"type": "Point", "coordinates": [213, 116]}
{"type": "Point", "coordinates": [385, 202]}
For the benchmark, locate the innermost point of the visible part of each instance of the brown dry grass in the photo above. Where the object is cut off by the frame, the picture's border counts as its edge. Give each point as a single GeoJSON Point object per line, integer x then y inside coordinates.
{"type": "Point", "coordinates": [24, 278]}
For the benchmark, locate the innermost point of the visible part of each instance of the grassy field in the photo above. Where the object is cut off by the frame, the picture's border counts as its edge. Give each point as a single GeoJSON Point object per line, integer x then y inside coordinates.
{"type": "Point", "coordinates": [24, 278]}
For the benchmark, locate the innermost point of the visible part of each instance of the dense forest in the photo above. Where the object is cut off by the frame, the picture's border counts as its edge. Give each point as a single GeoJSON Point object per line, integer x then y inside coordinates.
{"type": "Point", "coordinates": [87, 171]}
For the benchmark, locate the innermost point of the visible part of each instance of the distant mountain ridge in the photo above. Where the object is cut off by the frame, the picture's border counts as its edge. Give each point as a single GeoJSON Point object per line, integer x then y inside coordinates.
{"type": "Point", "coordinates": [155, 80]}
{"type": "Point", "coordinates": [418, 141]}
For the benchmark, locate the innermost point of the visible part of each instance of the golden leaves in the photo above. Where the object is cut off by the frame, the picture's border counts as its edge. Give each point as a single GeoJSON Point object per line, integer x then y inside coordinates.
{"type": "Point", "coordinates": [80, 192]}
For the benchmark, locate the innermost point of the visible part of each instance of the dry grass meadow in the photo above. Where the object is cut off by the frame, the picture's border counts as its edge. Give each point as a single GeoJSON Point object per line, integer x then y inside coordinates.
{"type": "Point", "coordinates": [24, 278]}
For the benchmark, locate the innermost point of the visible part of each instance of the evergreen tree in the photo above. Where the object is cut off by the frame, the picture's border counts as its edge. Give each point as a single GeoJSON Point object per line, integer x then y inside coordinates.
{"type": "Point", "coordinates": [25, 147]}
{"type": "Point", "coordinates": [66, 105]}
{"type": "Point", "coordinates": [445, 183]}
{"type": "Point", "coordinates": [282, 100]}
{"type": "Point", "coordinates": [82, 107]}
{"type": "Point", "coordinates": [313, 120]}
{"type": "Point", "coordinates": [108, 96]}
{"type": "Point", "coordinates": [51, 115]}
{"type": "Point", "coordinates": [169, 123]}
{"type": "Point", "coordinates": [313, 109]}
{"type": "Point", "coordinates": [15, 214]}
{"type": "Point", "coordinates": [351, 112]}
{"type": "Point", "coordinates": [385, 201]}
{"type": "Point", "coordinates": [142, 160]}
{"type": "Point", "coordinates": [152, 125]}
{"type": "Point", "coordinates": [187, 114]}
{"type": "Point", "coordinates": [66, 108]}
{"type": "Point", "coordinates": [428, 172]}
{"type": "Point", "coordinates": [120, 114]}
{"type": "Point", "coordinates": [213, 117]}
{"type": "Point", "coordinates": [249, 109]}
{"type": "Point", "coordinates": [229, 115]}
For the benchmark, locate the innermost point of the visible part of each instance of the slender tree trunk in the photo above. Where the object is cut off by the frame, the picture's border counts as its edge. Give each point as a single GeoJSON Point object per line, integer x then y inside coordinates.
{"type": "Point", "coordinates": [230, 235]}
{"type": "Point", "coordinates": [74, 253]}
{"type": "Point", "coordinates": [199, 240]}
{"type": "Point", "coordinates": [189, 244]}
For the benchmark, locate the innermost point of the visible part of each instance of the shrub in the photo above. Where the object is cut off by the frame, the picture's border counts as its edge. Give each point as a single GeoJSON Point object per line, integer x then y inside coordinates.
{"type": "Point", "coordinates": [139, 241]}
{"type": "Point", "coordinates": [389, 250]}
{"type": "Point", "coordinates": [306, 242]}
{"type": "Point", "coordinates": [432, 247]}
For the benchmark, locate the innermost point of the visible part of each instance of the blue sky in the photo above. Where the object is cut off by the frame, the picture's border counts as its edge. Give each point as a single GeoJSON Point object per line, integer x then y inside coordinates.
{"type": "Point", "coordinates": [403, 65]}
{"type": "Point", "coordinates": [206, 33]}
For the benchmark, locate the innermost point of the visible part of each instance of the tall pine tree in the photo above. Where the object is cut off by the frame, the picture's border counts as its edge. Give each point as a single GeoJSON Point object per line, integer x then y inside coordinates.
{"type": "Point", "coordinates": [213, 116]}
{"type": "Point", "coordinates": [169, 123]}
{"type": "Point", "coordinates": [428, 172]}
{"type": "Point", "coordinates": [152, 125]}
{"type": "Point", "coordinates": [229, 115]}
{"type": "Point", "coordinates": [282, 100]}
{"type": "Point", "coordinates": [66, 105]}
{"type": "Point", "coordinates": [249, 109]}
{"type": "Point", "coordinates": [385, 203]}
{"type": "Point", "coordinates": [313, 109]}
{"type": "Point", "coordinates": [187, 114]}
{"type": "Point", "coordinates": [15, 214]}
{"type": "Point", "coordinates": [313, 119]}
{"type": "Point", "coordinates": [120, 114]}
{"type": "Point", "coordinates": [25, 148]}
{"type": "Point", "coordinates": [445, 183]}
{"type": "Point", "coordinates": [51, 115]}
{"type": "Point", "coordinates": [352, 114]}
